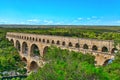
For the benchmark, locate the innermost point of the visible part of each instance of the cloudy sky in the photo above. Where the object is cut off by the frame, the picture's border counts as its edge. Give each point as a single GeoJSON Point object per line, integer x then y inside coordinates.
{"type": "Point", "coordinates": [60, 12]}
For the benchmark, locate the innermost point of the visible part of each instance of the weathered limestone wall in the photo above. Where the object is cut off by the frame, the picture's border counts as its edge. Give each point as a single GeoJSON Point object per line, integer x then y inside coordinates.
{"type": "Point", "coordinates": [69, 43]}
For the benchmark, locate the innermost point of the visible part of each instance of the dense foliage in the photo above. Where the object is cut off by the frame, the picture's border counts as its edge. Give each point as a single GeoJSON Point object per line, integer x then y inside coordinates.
{"type": "Point", "coordinates": [63, 64]}
{"type": "Point", "coordinates": [9, 57]}
{"type": "Point", "coordinates": [66, 65]}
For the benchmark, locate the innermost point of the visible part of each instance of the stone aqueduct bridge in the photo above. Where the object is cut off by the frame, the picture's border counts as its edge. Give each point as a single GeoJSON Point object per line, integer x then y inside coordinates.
{"type": "Point", "coordinates": [32, 47]}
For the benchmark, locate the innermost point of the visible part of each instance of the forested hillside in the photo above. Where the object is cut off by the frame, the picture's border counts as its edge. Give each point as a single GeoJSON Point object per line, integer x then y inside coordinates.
{"type": "Point", "coordinates": [65, 65]}
{"type": "Point", "coordinates": [10, 62]}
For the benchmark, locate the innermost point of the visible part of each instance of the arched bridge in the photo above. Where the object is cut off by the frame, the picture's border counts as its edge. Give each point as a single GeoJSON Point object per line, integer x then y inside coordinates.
{"type": "Point", "coordinates": [32, 47]}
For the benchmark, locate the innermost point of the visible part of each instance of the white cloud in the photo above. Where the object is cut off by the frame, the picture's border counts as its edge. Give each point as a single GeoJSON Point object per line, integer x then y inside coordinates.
{"type": "Point", "coordinates": [80, 18]}
{"type": "Point", "coordinates": [33, 20]}
{"type": "Point", "coordinates": [23, 23]}
{"type": "Point", "coordinates": [58, 23]}
{"type": "Point", "coordinates": [88, 21]}
{"type": "Point", "coordinates": [48, 21]}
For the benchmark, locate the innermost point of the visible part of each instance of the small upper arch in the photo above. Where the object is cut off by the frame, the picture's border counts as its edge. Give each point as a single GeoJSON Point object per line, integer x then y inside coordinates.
{"type": "Point", "coordinates": [63, 43]}
{"type": "Point", "coordinates": [53, 42]}
{"type": "Point", "coordinates": [30, 38]}
{"type": "Point", "coordinates": [43, 40]}
{"type": "Point", "coordinates": [104, 49]}
{"type": "Point", "coordinates": [36, 39]}
{"type": "Point", "coordinates": [22, 37]}
{"type": "Point", "coordinates": [33, 38]}
{"type": "Point", "coordinates": [77, 45]}
{"type": "Point", "coordinates": [27, 38]}
{"type": "Point", "coordinates": [94, 48]}
{"type": "Point", "coordinates": [48, 41]}
{"type": "Point", "coordinates": [70, 44]}
{"type": "Point", "coordinates": [58, 42]}
{"type": "Point", "coordinates": [85, 46]}
{"type": "Point", "coordinates": [39, 39]}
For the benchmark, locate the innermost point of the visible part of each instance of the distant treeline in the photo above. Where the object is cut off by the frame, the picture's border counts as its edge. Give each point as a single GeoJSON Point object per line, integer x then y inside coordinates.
{"type": "Point", "coordinates": [56, 26]}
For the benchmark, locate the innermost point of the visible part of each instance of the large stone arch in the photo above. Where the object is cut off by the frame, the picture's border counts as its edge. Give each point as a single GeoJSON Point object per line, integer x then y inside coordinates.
{"type": "Point", "coordinates": [108, 61]}
{"type": "Point", "coordinates": [34, 50]}
{"type": "Point", "coordinates": [24, 60]}
{"type": "Point", "coordinates": [18, 46]}
{"type": "Point", "coordinates": [12, 41]}
{"type": "Point", "coordinates": [7, 39]}
{"type": "Point", "coordinates": [94, 48]}
{"type": "Point", "coordinates": [104, 49]}
{"type": "Point", "coordinates": [45, 50]}
{"type": "Point", "coordinates": [114, 50]}
{"type": "Point", "coordinates": [33, 66]}
{"type": "Point", "coordinates": [25, 48]}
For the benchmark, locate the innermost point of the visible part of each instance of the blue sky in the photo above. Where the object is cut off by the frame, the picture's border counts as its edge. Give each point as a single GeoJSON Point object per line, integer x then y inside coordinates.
{"type": "Point", "coordinates": [60, 12]}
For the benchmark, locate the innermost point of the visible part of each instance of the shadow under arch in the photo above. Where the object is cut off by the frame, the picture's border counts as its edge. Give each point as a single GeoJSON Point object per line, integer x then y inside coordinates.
{"type": "Point", "coordinates": [94, 48]}
{"type": "Point", "coordinates": [7, 39]}
{"type": "Point", "coordinates": [24, 59]}
{"type": "Point", "coordinates": [85, 46]}
{"type": "Point", "coordinates": [53, 42]}
{"type": "Point", "coordinates": [12, 41]}
{"type": "Point", "coordinates": [34, 66]}
{"type": "Point", "coordinates": [70, 44]}
{"type": "Point", "coordinates": [45, 50]}
{"type": "Point", "coordinates": [108, 61]}
{"type": "Point", "coordinates": [58, 42]}
{"type": "Point", "coordinates": [77, 45]}
{"type": "Point", "coordinates": [24, 48]}
{"type": "Point", "coordinates": [114, 50]}
{"type": "Point", "coordinates": [34, 50]}
{"type": "Point", "coordinates": [63, 43]}
{"type": "Point", "coordinates": [18, 45]}
{"type": "Point", "coordinates": [104, 49]}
